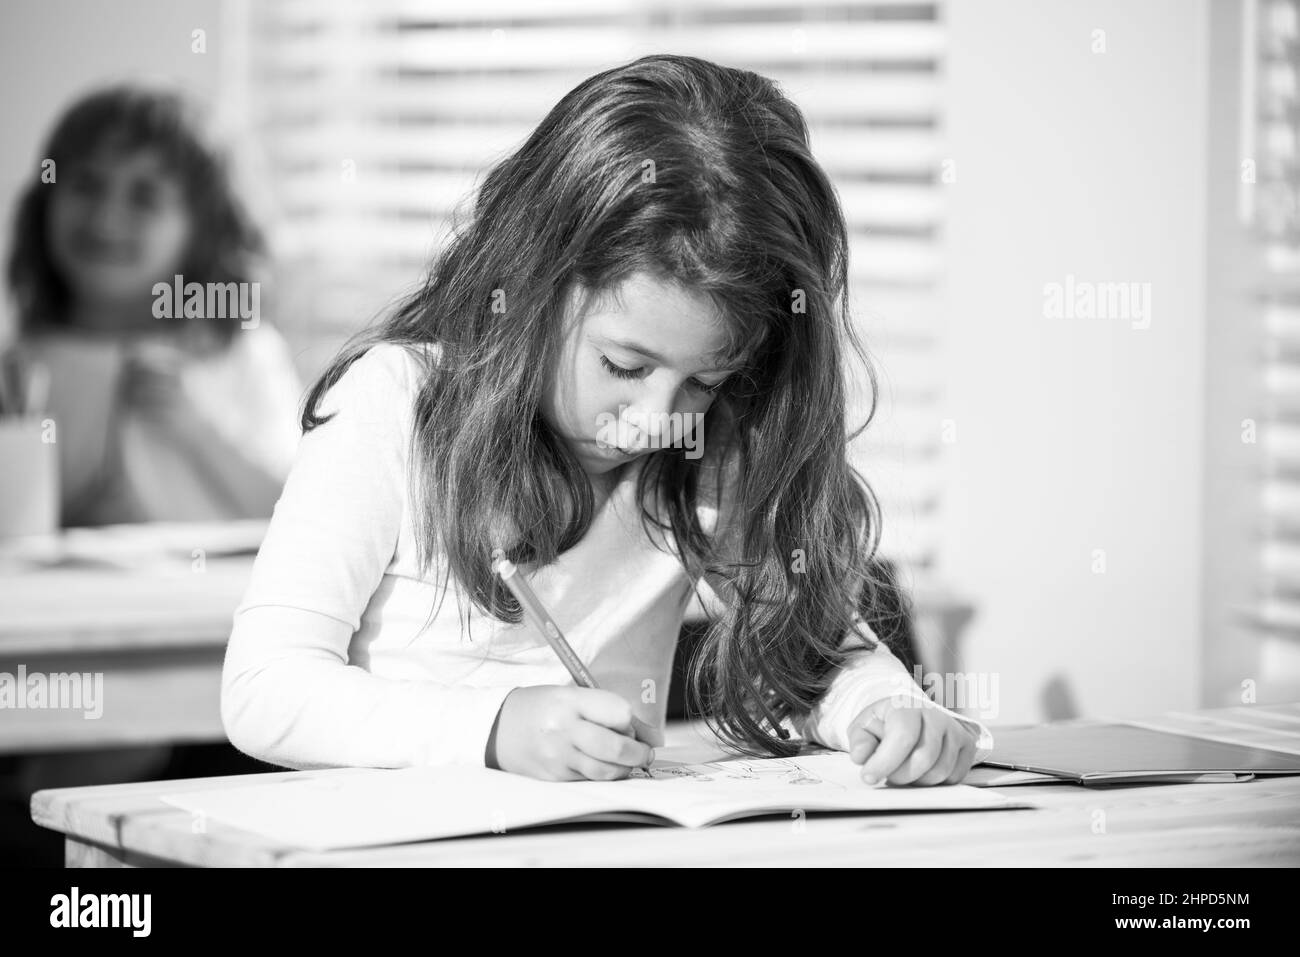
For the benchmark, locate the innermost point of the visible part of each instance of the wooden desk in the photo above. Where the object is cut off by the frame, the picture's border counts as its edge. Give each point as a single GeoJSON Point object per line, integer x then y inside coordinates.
{"type": "Point", "coordinates": [157, 633]}
{"type": "Point", "coordinates": [1253, 824]}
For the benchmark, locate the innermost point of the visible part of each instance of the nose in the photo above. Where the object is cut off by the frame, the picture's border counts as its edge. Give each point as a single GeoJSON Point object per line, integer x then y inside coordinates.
{"type": "Point", "coordinates": [637, 434]}
{"type": "Point", "coordinates": [106, 215]}
{"type": "Point", "coordinates": [650, 423]}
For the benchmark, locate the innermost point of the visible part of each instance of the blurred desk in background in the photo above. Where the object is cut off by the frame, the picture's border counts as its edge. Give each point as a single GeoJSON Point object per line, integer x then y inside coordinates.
{"type": "Point", "coordinates": [148, 607]}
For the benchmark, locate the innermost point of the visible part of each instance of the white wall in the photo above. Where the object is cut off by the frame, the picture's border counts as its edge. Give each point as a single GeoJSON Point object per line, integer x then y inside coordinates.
{"type": "Point", "coordinates": [52, 51]}
{"type": "Point", "coordinates": [1075, 435]}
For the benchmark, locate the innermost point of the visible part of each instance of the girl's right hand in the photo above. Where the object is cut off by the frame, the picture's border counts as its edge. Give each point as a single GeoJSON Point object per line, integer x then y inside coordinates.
{"type": "Point", "coordinates": [152, 383]}
{"type": "Point", "coordinates": [565, 733]}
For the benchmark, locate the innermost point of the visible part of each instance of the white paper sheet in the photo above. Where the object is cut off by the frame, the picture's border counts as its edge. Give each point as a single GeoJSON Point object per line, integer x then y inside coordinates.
{"type": "Point", "coordinates": [353, 807]}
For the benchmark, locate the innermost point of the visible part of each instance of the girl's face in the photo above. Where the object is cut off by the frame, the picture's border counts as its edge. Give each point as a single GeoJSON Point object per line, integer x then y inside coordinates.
{"type": "Point", "coordinates": [118, 223]}
{"type": "Point", "coordinates": [635, 374]}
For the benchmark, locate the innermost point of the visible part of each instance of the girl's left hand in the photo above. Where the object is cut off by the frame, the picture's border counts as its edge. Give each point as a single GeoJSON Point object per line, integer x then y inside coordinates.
{"type": "Point", "coordinates": [909, 741]}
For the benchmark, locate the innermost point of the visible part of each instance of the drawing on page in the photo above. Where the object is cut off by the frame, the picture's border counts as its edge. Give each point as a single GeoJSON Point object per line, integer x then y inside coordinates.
{"type": "Point", "coordinates": [763, 770]}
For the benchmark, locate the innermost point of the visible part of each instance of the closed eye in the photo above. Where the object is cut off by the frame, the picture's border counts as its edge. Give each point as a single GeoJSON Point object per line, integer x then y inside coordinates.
{"type": "Point", "coordinates": [705, 387]}
{"type": "Point", "coordinates": [619, 371]}
{"type": "Point", "coordinates": [622, 372]}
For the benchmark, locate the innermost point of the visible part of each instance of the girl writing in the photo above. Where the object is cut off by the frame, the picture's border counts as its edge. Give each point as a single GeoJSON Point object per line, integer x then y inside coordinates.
{"type": "Point", "coordinates": [662, 255]}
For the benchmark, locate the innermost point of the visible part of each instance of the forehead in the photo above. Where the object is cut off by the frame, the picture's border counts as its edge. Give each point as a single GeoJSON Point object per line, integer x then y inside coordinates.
{"type": "Point", "coordinates": [675, 322]}
{"type": "Point", "coordinates": [116, 157]}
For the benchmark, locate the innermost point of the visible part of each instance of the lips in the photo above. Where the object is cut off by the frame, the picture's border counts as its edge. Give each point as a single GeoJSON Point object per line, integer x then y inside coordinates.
{"type": "Point", "coordinates": [612, 451]}
{"type": "Point", "coordinates": [619, 453]}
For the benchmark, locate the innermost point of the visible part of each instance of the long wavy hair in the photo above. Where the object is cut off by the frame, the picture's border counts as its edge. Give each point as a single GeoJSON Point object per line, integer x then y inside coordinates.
{"type": "Point", "coordinates": [737, 210]}
{"type": "Point", "coordinates": [226, 244]}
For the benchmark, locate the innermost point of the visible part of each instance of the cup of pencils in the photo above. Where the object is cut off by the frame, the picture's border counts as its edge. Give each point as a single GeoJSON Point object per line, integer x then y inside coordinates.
{"type": "Point", "coordinates": [29, 460]}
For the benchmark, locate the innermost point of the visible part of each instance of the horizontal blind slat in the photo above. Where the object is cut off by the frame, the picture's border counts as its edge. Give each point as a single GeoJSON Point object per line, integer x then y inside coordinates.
{"type": "Point", "coordinates": [304, 13]}
{"type": "Point", "coordinates": [849, 95]}
{"type": "Point", "coordinates": [564, 46]}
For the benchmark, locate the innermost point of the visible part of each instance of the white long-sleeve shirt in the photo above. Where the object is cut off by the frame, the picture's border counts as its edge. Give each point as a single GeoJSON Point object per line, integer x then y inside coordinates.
{"type": "Point", "coordinates": [117, 465]}
{"type": "Point", "coordinates": [338, 658]}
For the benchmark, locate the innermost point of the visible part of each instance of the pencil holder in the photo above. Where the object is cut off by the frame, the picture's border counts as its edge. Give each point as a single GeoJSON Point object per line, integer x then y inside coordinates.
{"type": "Point", "coordinates": [29, 477]}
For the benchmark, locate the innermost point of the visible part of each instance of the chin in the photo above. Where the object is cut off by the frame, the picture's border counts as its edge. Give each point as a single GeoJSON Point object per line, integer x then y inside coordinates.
{"type": "Point", "coordinates": [598, 464]}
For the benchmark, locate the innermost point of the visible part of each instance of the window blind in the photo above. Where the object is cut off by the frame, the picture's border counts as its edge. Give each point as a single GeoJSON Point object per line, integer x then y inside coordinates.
{"type": "Point", "coordinates": [378, 118]}
{"type": "Point", "coordinates": [1273, 39]}
{"type": "Point", "coordinates": [1279, 608]}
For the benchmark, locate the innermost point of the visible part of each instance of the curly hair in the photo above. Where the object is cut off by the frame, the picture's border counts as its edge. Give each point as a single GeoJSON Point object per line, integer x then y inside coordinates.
{"type": "Point", "coordinates": [225, 246]}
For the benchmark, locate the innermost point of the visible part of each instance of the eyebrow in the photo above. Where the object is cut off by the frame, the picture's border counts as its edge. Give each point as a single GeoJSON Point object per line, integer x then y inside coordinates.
{"type": "Point", "coordinates": [656, 357]}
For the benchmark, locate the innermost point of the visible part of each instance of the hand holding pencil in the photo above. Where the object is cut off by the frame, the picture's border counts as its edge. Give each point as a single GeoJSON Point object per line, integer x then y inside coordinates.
{"type": "Point", "coordinates": [563, 733]}
{"type": "Point", "coordinates": [558, 732]}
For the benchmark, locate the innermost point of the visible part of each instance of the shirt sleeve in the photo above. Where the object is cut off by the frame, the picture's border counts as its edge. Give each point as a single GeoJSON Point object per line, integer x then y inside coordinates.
{"type": "Point", "coordinates": [271, 380]}
{"type": "Point", "coordinates": [289, 695]}
{"type": "Point", "coordinates": [866, 677]}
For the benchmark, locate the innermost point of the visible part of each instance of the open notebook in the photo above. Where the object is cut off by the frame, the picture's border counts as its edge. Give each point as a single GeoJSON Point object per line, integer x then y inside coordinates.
{"type": "Point", "coordinates": [359, 807]}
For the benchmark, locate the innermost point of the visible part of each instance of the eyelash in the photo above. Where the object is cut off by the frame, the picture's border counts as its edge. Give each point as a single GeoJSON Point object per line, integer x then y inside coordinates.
{"type": "Point", "coordinates": [622, 373]}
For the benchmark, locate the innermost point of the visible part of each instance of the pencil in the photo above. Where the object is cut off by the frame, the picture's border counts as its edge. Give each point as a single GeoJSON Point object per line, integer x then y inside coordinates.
{"type": "Point", "coordinates": [543, 622]}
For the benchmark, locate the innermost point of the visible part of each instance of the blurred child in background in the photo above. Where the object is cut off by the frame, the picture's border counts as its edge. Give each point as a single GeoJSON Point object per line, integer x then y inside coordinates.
{"type": "Point", "coordinates": [188, 418]}
{"type": "Point", "coordinates": [177, 419]}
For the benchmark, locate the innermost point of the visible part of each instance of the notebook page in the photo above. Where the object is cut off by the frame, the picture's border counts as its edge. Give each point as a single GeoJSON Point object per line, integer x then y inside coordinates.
{"type": "Point", "coordinates": [361, 807]}
{"type": "Point", "coordinates": [695, 795]}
